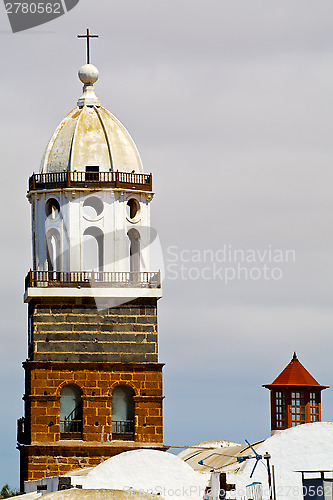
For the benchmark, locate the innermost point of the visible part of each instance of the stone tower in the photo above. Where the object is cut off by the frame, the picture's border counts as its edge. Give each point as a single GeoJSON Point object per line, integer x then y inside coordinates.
{"type": "Point", "coordinates": [295, 397]}
{"type": "Point", "coordinates": [93, 383]}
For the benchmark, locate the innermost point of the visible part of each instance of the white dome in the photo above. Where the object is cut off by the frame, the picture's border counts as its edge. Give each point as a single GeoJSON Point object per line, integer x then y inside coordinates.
{"type": "Point", "coordinates": [154, 471]}
{"type": "Point", "coordinates": [91, 135]}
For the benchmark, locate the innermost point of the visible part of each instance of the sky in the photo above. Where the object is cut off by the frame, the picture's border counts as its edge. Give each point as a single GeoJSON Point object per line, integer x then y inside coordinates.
{"type": "Point", "coordinates": [231, 107]}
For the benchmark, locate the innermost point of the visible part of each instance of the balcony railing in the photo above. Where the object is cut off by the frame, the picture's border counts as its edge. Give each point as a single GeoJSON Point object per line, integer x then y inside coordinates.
{"type": "Point", "coordinates": [72, 425]}
{"type": "Point", "coordinates": [22, 435]}
{"type": "Point", "coordinates": [71, 429]}
{"type": "Point", "coordinates": [123, 429]}
{"type": "Point", "coordinates": [99, 180]}
{"type": "Point", "coordinates": [91, 279]}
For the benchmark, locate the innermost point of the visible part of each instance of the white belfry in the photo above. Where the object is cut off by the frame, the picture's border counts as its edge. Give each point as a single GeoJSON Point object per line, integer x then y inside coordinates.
{"type": "Point", "coordinates": [91, 200]}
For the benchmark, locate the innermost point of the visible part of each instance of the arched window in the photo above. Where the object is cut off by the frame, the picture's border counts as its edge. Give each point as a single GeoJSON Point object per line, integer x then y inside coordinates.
{"type": "Point", "coordinates": [52, 208]}
{"type": "Point", "coordinates": [123, 413]}
{"type": "Point", "coordinates": [71, 414]}
{"type": "Point", "coordinates": [93, 249]}
{"type": "Point", "coordinates": [134, 237]}
{"type": "Point", "coordinates": [132, 208]}
{"type": "Point", "coordinates": [53, 250]}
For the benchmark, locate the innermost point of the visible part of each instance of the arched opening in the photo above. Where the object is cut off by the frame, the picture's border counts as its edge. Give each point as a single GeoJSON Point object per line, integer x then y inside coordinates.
{"type": "Point", "coordinates": [123, 413]}
{"type": "Point", "coordinates": [93, 207]}
{"type": "Point", "coordinates": [52, 208]}
{"type": "Point", "coordinates": [93, 249]}
{"type": "Point", "coordinates": [53, 250]}
{"type": "Point", "coordinates": [134, 237]}
{"type": "Point", "coordinates": [71, 412]}
{"type": "Point", "coordinates": [132, 207]}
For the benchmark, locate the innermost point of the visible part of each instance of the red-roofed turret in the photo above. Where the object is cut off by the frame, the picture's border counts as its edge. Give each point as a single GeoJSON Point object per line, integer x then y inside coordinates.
{"type": "Point", "coordinates": [295, 397]}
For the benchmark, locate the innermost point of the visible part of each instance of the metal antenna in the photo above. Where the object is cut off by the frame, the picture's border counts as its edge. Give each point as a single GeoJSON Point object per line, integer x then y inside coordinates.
{"type": "Point", "coordinates": [88, 36]}
{"type": "Point", "coordinates": [257, 457]}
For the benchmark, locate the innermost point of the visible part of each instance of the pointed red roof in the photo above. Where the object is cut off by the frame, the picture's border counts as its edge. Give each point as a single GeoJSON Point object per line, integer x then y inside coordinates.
{"type": "Point", "coordinates": [295, 374]}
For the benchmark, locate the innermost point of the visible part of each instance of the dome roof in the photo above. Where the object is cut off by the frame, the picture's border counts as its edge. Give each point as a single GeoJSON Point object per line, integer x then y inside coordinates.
{"type": "Point", "coordinates": [90, 136]}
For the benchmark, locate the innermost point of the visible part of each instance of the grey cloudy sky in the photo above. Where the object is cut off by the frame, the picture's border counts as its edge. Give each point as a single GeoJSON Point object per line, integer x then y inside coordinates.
{"type": "Point", "coordinates": [231, 107]}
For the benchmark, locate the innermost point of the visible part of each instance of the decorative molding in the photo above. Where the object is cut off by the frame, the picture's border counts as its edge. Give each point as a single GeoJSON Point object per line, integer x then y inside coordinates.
{"type": "Point", "coordinates": [148, 399]}
{"type": "Point", "coordinates": [92, 366]}
{"type": "Point", "coordinates": [96, 398]}
{"type": "Point", "coordinates": [41, 398]}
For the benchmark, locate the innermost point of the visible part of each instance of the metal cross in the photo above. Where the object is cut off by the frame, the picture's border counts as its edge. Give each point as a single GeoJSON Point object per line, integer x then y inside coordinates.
{"type": "Point", "coordinates": [88, 36]}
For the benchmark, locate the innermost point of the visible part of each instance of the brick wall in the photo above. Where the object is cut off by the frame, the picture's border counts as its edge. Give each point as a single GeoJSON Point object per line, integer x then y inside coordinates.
{"type": "Point", "coordinates": [44, 382]}
{"type": "Point", "coordinates": [44, 461]}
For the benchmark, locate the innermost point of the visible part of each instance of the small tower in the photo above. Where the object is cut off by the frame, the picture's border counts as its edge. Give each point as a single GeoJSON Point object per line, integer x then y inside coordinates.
{"type": "Point", "coordinates": [295, 397]}
{"type": "Point", "coordinates": [93, 383]}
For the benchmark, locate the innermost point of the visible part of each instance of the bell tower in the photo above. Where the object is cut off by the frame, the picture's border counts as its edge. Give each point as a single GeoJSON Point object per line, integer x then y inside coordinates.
{"type": "Point", "coordinates": [295, 397]}
{"type": "Point", "coordinates": [93, 383]}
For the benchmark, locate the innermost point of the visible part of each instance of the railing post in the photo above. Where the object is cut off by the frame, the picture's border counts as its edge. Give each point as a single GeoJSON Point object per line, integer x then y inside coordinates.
{"type": "Point", "coordinates": [70, 179]}
{"type": "Point", "coordinates": [94, 278]}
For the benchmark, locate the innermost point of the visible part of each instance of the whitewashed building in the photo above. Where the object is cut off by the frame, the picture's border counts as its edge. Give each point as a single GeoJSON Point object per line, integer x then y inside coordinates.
{"type": "Point", "coordinates": [306, 448]}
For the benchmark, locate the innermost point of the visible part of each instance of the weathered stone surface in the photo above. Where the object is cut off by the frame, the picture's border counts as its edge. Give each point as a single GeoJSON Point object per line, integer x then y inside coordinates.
{"type": "Point", "coordinates": [73, 342]}
{"type": "Point", "coordinates": [72, 331]}
{"type": "Point", "coordinates": [95, 337]}
{"type": "Point", "coordinates": [96, 347]}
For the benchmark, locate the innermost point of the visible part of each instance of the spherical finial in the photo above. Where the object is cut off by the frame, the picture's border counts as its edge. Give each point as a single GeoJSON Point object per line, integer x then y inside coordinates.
{"type": "Point", "coordinates": [88, 74]}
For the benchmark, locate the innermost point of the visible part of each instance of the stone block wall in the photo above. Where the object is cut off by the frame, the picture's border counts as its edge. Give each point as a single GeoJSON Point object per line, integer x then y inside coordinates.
{"type": "Point", "coordinates": [76, 330]}
{"type": "Point", "coordinates": [71, 341]}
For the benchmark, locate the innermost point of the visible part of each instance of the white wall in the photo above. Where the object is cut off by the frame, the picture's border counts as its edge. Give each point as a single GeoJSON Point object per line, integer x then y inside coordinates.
{"type": "Point", "coordinates": [73, 221]}
{"type": "Point", "coordinates": [305, 447]}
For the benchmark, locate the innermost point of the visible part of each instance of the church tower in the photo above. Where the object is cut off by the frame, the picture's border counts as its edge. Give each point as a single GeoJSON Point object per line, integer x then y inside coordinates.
{"type": "Point", "coordinates": [295, 397]}
{"type": "Point", "coordinates": [93, 383]}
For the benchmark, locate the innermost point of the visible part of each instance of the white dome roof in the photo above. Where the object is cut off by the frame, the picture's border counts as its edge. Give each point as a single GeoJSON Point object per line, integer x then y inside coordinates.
{"type": "Point", "coordinates": [91, 136]}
